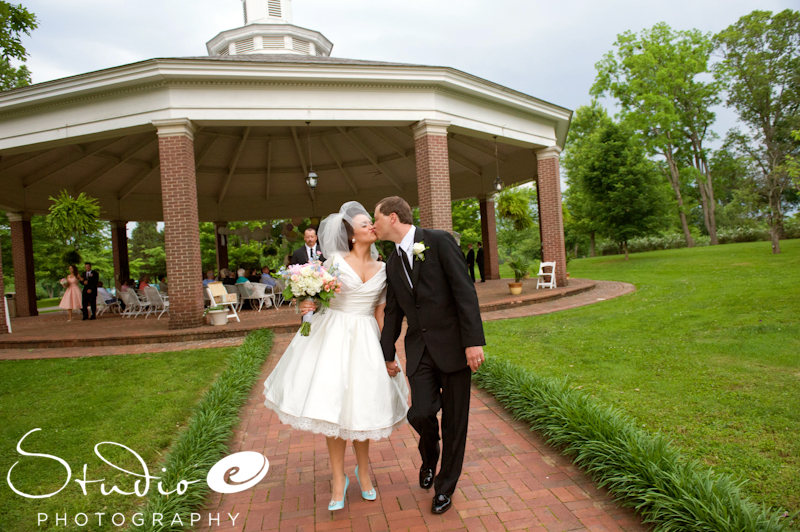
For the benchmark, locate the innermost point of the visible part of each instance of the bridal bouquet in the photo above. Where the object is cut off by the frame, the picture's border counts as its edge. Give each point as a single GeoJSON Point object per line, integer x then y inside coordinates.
{"type": "Point", "coordinates": [309, 281]}
{"type": "Point", "coordinates": [63, 282]}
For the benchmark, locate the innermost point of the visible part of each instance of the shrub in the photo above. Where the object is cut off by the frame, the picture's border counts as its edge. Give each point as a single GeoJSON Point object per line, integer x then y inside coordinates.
{"type": "Point", "coordinates": [204, 441]}
{"type": "Point", "coordinates": [639, 469]}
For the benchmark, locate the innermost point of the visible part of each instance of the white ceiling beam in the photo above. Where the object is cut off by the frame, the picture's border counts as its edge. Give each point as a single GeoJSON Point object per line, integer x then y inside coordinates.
{"type": "Point", "coordinates": [269, 168]}
{"type": "Point", "coordinates": [302, 162]}
{"type": "Point", "coordinates": [335, 156]}
{"type": "Point", "coordinates": [63, 164]}
{"type": "Point", "coordinates": [122, 160]}
{"type": "Point", "coordinates": [232, 167]}
{"type": "Point", "coordinates": [382, 169]}
{"type": "Point", "coordinates": [134, 183]}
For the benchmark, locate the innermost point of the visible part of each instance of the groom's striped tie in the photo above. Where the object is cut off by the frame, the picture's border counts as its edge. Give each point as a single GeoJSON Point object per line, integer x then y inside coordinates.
{"type": "Point", "coordinates": [404, 259]}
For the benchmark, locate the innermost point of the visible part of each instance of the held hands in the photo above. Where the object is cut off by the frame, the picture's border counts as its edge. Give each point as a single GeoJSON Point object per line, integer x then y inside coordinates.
{"type": "Point", "coordinates": [392, 368]}
{"type": "Point", "coordinates": [474, 357]}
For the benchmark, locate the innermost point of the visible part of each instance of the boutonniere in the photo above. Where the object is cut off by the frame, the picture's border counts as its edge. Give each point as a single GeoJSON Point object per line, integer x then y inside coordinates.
{"type": "Point", "coordinates": [419, 249]}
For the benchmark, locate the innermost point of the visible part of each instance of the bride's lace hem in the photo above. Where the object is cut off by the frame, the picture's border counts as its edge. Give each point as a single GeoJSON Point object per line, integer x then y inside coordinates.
{"type": "Point", "coordinates": [332, 430]}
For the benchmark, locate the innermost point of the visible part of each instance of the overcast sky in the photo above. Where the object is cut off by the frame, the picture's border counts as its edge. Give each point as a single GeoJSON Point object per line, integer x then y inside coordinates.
{"type": "Point", "coordinates": [545, 49]}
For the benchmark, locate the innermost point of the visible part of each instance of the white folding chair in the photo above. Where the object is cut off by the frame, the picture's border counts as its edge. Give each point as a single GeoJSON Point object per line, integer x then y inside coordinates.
{"type": "Point", "coordinates": [254, 292]}
{"type": "Point", "coordinates": [218, 295]}
{"type": "Point", "coordinates": [546, 279]}
{"type": "Point", "coordinates": [157, 301]}
{"type": "Point", "coordinates": [133, 306]}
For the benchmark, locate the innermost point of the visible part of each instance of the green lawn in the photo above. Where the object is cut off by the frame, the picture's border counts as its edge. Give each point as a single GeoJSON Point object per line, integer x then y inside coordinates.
{"type": "Point", "coordinates": [141, 401]}
{"type": "Point", "coordinates": [706, 351]}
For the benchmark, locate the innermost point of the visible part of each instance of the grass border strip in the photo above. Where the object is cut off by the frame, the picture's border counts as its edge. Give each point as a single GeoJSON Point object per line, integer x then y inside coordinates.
{"type": "Point", "coordinates": [640, 469]}
{"type": "Point", "coordinates": [204, 441]}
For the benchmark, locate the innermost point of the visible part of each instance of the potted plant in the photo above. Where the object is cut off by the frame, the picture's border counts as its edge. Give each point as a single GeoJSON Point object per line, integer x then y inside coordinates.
{"type": "Point", "coordinates": [217, 315]}
{"type": "Point", "coordinates": [521, 269]}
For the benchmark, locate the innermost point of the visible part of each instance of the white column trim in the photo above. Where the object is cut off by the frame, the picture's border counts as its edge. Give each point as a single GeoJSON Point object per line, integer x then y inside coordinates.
{"type": "Point", "coordinates": [430, 127]}
{"type": "Point", "coordinates": [550, 152]}
{"type": "Point", "coordinates": [175, 127]}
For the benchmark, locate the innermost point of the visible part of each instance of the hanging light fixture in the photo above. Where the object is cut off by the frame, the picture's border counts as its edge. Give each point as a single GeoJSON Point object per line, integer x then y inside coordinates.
{"type": "Point", "coordinates": [498, 183]}
{"type": "Point", "coordinates": [312, 178]}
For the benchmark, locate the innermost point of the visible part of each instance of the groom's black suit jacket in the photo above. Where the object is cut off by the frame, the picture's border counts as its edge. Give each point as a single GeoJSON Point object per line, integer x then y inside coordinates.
{"type": "Point", "coordinates": [442, 308]}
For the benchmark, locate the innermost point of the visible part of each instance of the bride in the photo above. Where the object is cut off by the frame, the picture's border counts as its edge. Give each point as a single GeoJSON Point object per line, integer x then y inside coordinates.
{"type": "Point", "coordinates": [334, 381]}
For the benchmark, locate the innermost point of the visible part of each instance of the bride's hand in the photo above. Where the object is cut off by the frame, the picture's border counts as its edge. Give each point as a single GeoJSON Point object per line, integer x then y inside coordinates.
{"type": "Point", "coordinates": [307, 306]}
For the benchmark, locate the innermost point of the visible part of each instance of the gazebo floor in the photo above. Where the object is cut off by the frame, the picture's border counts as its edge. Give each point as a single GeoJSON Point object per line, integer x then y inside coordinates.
{"type": "Point", "coordinates": [51, 330]}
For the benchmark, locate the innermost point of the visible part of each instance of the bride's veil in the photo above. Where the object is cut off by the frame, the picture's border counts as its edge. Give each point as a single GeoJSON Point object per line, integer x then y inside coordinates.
{"type": "Point", "coordinates": [332, 234]}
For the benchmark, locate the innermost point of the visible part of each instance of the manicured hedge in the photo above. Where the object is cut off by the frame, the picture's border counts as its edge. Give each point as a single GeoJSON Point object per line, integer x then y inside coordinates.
{"type": "Point", "coordinates": [204, 441]}
{"type": "Point", "coordinates": [640, 469]}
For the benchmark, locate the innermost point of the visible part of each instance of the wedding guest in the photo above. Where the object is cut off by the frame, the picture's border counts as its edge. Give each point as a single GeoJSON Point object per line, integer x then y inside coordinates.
{"type": "Point", "coordinates": [255, 276]}
{"type": "Point", "coordinates": [209, 278]}
{"type": "Point", "coordinates": [104, 294]}
{"type": "Point", "coordinates": [71, 300]}
{"type": "Point", "coordinates": [89, 296]}
{"type": "Point", "coordinates": [479, 261]}
{"type": "Point", "coordinates": [471, 262]}
{"type": "Point", "coordinates": [144, 282]}
{"type": "Point", "coordinates": [310, 251]}
{"type": "Point", "coordinates": [266, 278]}
{"type": "Point", "coordinates": [241, 279]}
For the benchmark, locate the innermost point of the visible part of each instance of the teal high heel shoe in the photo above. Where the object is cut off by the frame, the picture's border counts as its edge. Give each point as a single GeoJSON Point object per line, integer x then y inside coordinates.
{"type": "Point", "coordinates": [370, 495]}
{"type": "Point", "coordinates": [338, 505]}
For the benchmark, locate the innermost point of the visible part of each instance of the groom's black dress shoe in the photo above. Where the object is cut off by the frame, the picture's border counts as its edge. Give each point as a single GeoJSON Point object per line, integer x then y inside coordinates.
{"type": "Point", "coordinates": [441, 503]}
{"type": "Point", "coordinates": [425, 477]}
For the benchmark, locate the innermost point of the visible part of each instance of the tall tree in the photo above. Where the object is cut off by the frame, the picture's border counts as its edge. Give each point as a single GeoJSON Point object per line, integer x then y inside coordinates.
{"type": "Point", "coordinates": [658, 78]}
{"type": "Point", "coordinates": [761, 65]}
{"type": "Point", "coordinates": [15, 20]}
{"type": "Point", "coordinates": [621, 183]}
{"type": "Point", "coordinates": [584, 219]}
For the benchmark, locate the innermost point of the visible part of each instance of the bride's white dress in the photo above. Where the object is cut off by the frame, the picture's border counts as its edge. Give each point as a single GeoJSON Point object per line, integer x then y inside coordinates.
{"type": "Point", "coordinates": [334, 381]}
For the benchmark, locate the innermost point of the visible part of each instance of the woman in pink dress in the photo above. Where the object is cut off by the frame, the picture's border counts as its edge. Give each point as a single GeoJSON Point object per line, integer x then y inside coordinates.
{"type": "Point", "coordinates": [72, 296]}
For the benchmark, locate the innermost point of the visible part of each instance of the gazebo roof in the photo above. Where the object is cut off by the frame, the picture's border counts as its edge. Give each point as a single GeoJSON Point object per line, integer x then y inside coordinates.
{"type": "Point", "coordinates": [94, 132]}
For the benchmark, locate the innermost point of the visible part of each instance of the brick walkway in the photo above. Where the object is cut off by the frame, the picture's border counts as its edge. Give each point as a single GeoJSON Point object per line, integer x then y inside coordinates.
{"type": "Point", "coordinates": [512, 480]}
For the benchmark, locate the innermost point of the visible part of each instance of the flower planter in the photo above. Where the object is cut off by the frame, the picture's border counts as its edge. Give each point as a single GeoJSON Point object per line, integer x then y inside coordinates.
{"type": "Point", "coordinates": [515, 288]}
{"type": "Point", "coordinates": [218, 317]}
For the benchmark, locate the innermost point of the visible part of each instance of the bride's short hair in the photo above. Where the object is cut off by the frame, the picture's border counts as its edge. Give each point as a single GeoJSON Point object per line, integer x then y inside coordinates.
{"type": "Point", "coordinates": [350, 233]}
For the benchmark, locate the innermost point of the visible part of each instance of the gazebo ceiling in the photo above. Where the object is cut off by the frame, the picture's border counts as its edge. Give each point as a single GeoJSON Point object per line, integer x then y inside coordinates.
{"type": "Point", "coordinates": [94, 133]}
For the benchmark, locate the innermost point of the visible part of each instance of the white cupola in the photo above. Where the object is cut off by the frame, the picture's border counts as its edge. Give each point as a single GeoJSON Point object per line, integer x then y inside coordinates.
{"type": "Point", "coordinates": [268, 29]}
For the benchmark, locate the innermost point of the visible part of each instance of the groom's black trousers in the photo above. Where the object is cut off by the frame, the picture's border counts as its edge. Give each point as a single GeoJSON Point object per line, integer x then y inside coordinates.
{"type": "Point", "coordinates": [432, 390]}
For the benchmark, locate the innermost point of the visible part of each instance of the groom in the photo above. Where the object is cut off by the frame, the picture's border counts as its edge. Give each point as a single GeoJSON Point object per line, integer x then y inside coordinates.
{"type": "Point", "coordinates": [428, 284]}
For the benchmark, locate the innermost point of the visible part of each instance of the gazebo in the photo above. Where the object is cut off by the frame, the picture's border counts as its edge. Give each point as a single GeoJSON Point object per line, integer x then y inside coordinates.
{"type": "Point", "coordinates": [233, 136]}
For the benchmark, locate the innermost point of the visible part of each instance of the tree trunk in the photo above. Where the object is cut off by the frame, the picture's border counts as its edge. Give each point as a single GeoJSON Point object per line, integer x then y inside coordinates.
{"type": "Point", "coordinates": [675, 181]}
{"type": "Point", "coordinates": [775, 215]}
{"type": "Point", "coordinates": [706, 187]}
{"type": "Point", "coordinates": [625, 249]}
{"type": "Point", "coordinates": [591, 244]}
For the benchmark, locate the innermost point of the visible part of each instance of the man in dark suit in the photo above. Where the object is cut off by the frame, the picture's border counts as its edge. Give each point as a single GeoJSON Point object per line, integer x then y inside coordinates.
{"type": "Point", "coordinates": [471, 262]}
{"type": "Point", "coordinates": [479, 260]}
{"type": "Point", "coordinates": [89, 298]}
{"type": "Point", "coordinates": [428, 285]}
{"type": "Point", "coordinates": [310, 251]}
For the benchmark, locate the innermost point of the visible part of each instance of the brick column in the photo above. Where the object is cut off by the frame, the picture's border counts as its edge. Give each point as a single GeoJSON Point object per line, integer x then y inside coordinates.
{"type": "Point", "coordinates": [181, 223]}
{"type": "Point", "coordinates": [3, 326]}
{"type": "Point", "coordinates": [119, 250]}
{"type": "Point", "coordinates": [22, 252]}
{"type": "Point", "coordinates": [491, 268]}
{"type": "Point", "coordinates": [222, 246]}
{"type": "Point", "coordinates": [551, 221]}
{"type": "Point", "coordinates": [433, 174]}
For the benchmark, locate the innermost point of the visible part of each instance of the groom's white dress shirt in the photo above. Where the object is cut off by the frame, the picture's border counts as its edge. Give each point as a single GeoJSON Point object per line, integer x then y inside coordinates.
{"type": "Point", "coordinates": [407, 245]}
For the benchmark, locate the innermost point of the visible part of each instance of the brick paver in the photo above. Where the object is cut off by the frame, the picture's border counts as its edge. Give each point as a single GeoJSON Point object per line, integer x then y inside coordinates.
{"type": "Point", "coordinates": [512, 480]}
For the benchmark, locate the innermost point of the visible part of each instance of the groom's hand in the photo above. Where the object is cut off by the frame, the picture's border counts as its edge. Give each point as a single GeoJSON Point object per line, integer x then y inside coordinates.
{"type": "Point", "coordinates": [474, 357]}
{"type": "Point", "coordinates": [392, 368]}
